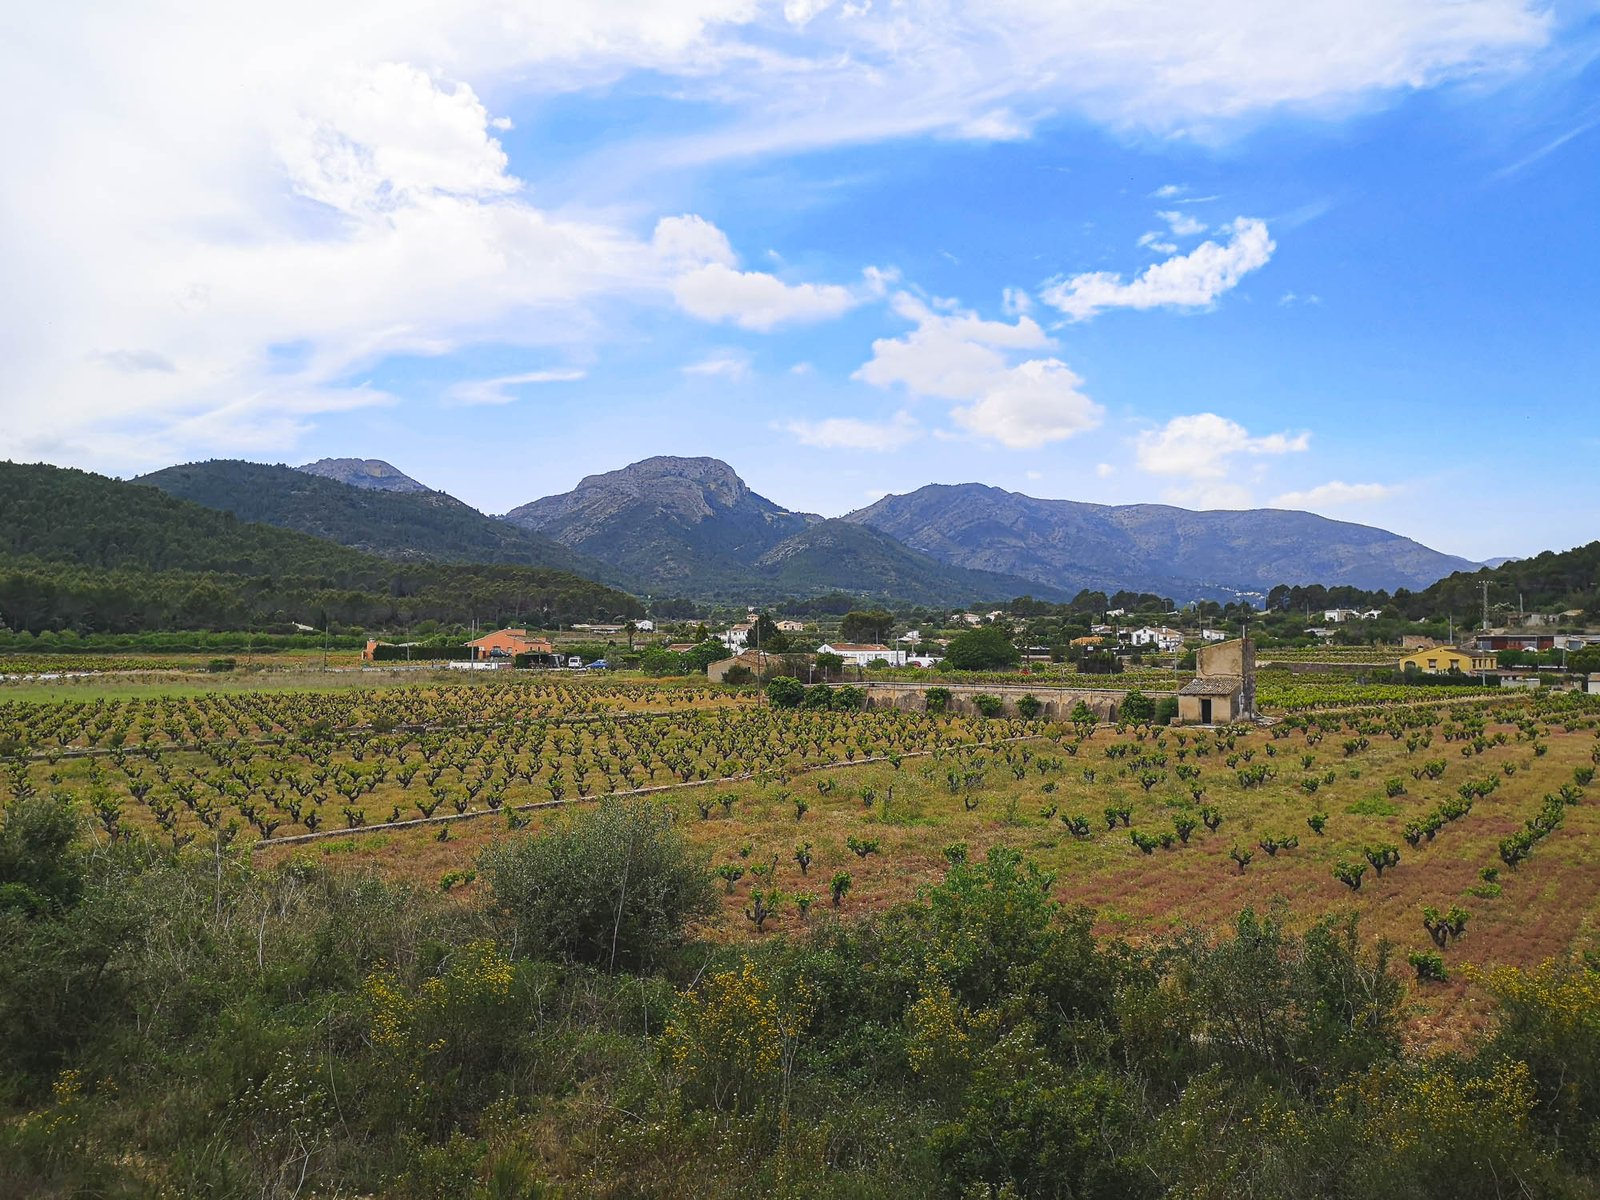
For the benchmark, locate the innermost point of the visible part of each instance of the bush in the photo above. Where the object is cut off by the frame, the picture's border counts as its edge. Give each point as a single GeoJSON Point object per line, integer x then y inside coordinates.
{"type": "Point", "coordinates": [1166, 710]}
{"type": "Point", "coordinates": [982, 650]}
{"type": "Point", "coordinates": [1029, 707]}
{"type": "Point", "coordinates": [785, 691]}
{"type": "Point", "coordinates": [937, 699]}
{"type": "Point", "coordinates": [847, 699]}
{"type": "Point", "coordinates": [987, 705]}
{"type": "Point", "coordinates": [614, 886]}
{"type": "Point", "coordinates": [1137, 708]}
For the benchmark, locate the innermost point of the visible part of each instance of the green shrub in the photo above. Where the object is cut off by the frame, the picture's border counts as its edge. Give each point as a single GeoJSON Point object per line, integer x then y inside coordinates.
{"type": "Point", "coordinates": [785, 691]}
{"type": "Point", "coordinates": [988, 705]}
{"type": "Point", "coordinates": [615, 885]}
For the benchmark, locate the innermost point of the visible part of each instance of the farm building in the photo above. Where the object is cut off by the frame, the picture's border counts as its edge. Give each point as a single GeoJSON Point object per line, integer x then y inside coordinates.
{"type": "Point", "coordinates": [1442, 660]}
{"type": "Point", "coordinates": [1223, 689]}
{"type": "Point", "coordinates": [756, 662]}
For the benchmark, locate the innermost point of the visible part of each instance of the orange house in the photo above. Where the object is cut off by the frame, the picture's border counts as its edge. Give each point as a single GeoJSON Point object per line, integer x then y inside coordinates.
{"type": "Point", "coordinates": [508, 643]}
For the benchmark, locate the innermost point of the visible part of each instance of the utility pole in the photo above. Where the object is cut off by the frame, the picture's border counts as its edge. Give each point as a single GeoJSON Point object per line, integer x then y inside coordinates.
{"type": "Point", "coordinates": [1486, 606]}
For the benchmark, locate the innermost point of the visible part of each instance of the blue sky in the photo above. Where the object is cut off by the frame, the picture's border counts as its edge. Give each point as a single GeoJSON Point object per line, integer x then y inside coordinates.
{"type": "Point", "coordinates": [1211, 255]}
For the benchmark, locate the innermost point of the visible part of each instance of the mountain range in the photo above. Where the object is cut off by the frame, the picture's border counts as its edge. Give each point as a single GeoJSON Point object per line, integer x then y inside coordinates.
{"type": "Point", "coordinates": [691, 527]}
{"type": "Point", "coordinates": [1150, 547]}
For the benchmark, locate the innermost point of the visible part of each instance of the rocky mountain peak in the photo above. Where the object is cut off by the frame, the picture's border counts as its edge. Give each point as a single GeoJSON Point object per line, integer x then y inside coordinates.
{"type": "Point", "coordinates": [371, 473]}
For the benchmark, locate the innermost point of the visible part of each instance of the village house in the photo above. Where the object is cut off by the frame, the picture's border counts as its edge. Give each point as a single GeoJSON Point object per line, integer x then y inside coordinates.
{"type": "Point", "coordinates": [1158, 637]}
{"type": "Point", "coordinates": [1415, 641]}
{"type": "Point", "coordinates": [507, 644]}
{"type": "Point", "coordinates": [860, 654]}
{"type": "Point", "coordinates": [736, 636]}
{"type": "Point", "coordinates": [1443, 660]}
{"type": "Point", "coordinates": [791, 626]}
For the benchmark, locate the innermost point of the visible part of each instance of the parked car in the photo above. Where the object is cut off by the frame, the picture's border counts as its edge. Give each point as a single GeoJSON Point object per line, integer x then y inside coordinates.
{"type": "Point", "coordinates": [598, 664]}
{"type": "Point", "coordinates": [574, 662]}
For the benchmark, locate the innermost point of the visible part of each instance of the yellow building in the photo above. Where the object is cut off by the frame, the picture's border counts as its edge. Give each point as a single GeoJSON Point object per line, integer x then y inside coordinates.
{"type": "Point", "coordinates": [1441, 660]}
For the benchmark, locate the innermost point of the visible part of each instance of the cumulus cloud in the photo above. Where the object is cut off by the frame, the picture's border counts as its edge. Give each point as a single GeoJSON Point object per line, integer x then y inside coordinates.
{"type": "Point", "coordinates": [756, 300]}
{"type": "Point", "coordinates": [961, 357]}
{"type": "Point", "coordinates": [501, 390]}
{"type": "Point", "coordinates": [1334, 492]}
{"type": "Point", "coordinates": [1182, 224]}
{"type": "Point", "coordinates": [709, 285]}
{"type": "Point", "coordinates": [1192, 280]}
{"type": "Point", "coordinates": [1204, 446]}
{"type": "Point", "coordinates": [853, 433]}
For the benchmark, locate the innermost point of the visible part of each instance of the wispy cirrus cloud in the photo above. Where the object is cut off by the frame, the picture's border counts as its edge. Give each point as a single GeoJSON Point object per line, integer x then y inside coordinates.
{"type": "Point", "coordinates": [1335, 493]}
{"type": "Point", "coordinates": [503, 388]}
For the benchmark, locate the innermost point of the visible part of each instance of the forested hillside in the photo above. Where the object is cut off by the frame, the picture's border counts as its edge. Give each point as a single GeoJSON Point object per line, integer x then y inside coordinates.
{"type": "Point", "coordinates": [1555, 581]}
{"type": "Point", "coordinates": [80, 551]}
{"type": "Point", "coordinates": [408, 525]}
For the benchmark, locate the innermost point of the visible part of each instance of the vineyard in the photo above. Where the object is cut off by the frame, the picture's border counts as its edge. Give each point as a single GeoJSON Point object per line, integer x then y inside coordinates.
{"type": "Point", "coordinates": [626, 935]}
{"type": "Point", "coordinates": [1390, 810]}
{"type": "Point", "coordinates": [1344, 800]}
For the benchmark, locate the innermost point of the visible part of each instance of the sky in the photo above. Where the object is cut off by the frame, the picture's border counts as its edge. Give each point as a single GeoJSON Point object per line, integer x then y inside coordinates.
{"type": "Point", "coordinates": [1220, 255]}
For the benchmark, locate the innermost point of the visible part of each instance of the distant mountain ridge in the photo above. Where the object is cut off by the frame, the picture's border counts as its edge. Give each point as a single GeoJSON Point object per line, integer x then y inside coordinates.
{"type": "Point", "coordinates": [371, 473]}
{"type": "Point", "coordinates": [403, 524]}
{"type": "Point", "coordinates": [1070, 544]}
{"type": "Point", "coordinates": [692, 526]}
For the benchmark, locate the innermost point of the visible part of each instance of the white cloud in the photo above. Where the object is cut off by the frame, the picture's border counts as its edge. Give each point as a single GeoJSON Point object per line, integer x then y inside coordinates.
{"type": "Point", "coordinates": [1204, 445]}
{"type": "Point", "coordinates": [689, 241]}
{"type": "Point", "coordinates": [202, 186]}
{"type": "Point", "coordinates": [1210, 493]}
{"type": "Point", "coordinates": [500, 390]}
{"type": "Point", "coordinates": [1156, 241]}
{"type": "Point", "coordinates": [1335, 492]}
{"type": "Point", "coordinates": [756, 300]}
{"type": "Point", "coordinates": [1191, 280]}
{"type": "Point", "coordinates": [958, 356]}
{"type": "Point", "coordinates": [1104, 470]}
{"type": "Point", "coordinates": [1030, 405]}
{"type": "Point", "coordinates": [1182, 224]}
{"type": "Point", "coordinates": [1169, 191]}
{"type": "Point", "coordinates": [725, 364]}
{"type": "Point", "coordinates": [853, 433]}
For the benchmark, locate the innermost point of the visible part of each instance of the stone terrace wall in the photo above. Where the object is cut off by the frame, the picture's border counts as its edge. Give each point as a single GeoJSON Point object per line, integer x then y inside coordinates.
{"type": "Point", "coordinates": [1058, 702]}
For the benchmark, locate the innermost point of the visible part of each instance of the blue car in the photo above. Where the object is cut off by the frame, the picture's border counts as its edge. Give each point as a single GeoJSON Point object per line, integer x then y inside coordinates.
{"type": "Point", "coordinates": [598, 664]}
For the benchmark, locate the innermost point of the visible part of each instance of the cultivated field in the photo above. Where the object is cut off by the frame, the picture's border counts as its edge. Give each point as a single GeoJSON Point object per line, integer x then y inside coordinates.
{"type": "Point", "coordinates": [1152, 828]}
